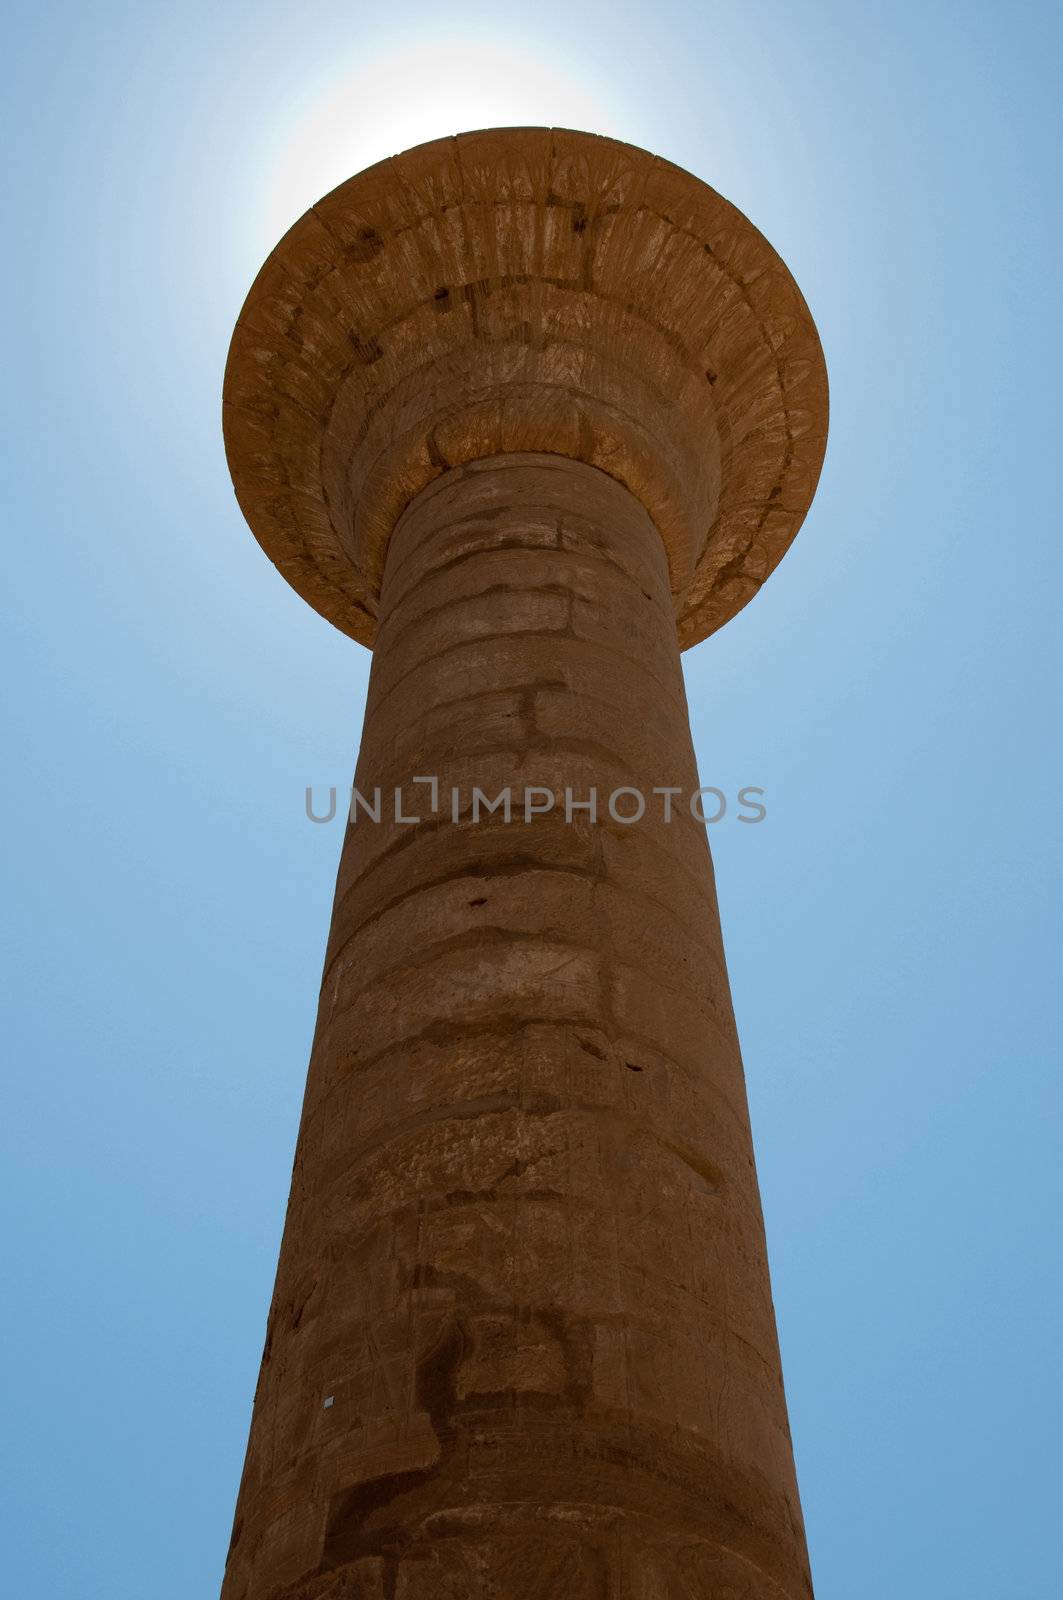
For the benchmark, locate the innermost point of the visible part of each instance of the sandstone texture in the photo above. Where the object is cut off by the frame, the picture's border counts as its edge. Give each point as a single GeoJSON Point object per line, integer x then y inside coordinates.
{"type": "Point", "coordinates": [527, 411]}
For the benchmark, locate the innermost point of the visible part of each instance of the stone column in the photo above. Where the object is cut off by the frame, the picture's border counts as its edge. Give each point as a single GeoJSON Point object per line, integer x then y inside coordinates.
{"type": "Point", "coordinates": [522, 1344]}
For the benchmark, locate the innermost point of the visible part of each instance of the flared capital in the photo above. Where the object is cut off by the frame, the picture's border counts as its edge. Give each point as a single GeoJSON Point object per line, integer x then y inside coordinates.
{"type": "Point", "coordinates": [525, 290]}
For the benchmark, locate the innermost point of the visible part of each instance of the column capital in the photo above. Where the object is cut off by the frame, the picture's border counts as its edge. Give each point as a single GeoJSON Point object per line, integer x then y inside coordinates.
{"type": "Point", "coordinates": [525, 289]}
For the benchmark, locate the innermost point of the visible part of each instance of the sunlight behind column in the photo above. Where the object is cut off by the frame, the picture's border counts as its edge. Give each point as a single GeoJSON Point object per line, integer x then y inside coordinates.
{"type": "Point", "coordinates": [360, 115]}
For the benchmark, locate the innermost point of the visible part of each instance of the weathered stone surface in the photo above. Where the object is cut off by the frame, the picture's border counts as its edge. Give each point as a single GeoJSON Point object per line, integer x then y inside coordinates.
{"type": "Point", "coordinates": [521, 1344]}
{"type": "Point", "coordinates": [525, 289]}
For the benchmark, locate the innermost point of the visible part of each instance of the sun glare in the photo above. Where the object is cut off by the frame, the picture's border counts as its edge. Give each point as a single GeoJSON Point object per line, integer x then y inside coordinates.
{"type": "Point", "coordinates": [403, 98]}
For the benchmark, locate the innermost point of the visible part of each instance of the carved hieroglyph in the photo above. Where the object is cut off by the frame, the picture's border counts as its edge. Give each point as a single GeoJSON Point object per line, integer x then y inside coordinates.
{"type": "Point", "coordinates": [526, 411]}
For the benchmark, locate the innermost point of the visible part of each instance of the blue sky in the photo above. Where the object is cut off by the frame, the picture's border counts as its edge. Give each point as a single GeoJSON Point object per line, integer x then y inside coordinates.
{"type": "Point", "coordinates": [892, 927]}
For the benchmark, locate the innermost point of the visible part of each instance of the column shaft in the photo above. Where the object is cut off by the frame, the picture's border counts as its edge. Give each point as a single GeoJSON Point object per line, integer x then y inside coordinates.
{"type": "Point", "coordinates": [522, 1344]}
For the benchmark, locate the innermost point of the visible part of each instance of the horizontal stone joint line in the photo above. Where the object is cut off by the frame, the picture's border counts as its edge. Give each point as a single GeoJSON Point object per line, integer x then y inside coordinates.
{"type": "Point", "coordinates": [517, 866]}
{"type": "Point", "coordinates": [566, 633]}
{"type": "Point", "coordinates": [594, 555]}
